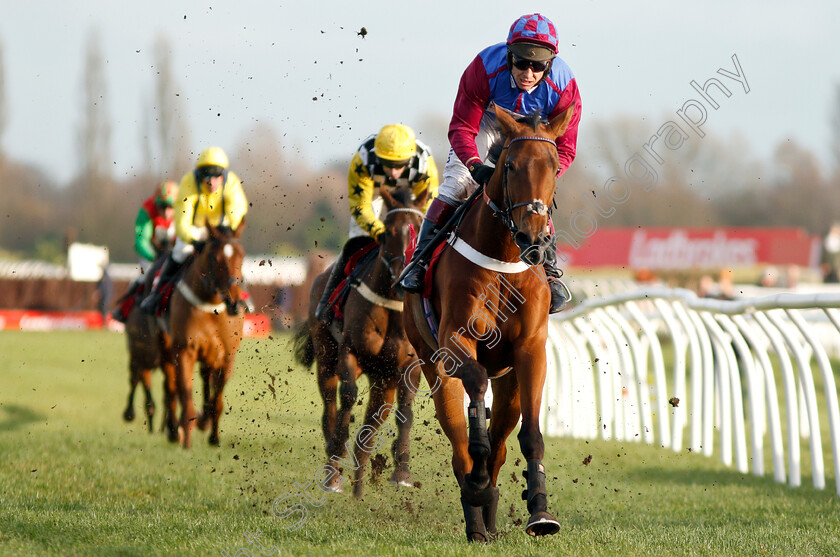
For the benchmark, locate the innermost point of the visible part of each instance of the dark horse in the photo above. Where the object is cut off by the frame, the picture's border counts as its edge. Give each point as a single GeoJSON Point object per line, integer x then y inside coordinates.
{"type": "Point", "coordinates": [206, 318]}
{"type": "Point", "coordinates": [149, 347]}
{"type": "Point", "coordinates": [493, 320]}
{"type": "Point", "coordinates": [371, 340]}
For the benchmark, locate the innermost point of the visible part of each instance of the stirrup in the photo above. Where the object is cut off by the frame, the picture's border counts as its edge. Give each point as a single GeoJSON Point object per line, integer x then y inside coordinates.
{"type": "Point", "coordinates": [563, 293]}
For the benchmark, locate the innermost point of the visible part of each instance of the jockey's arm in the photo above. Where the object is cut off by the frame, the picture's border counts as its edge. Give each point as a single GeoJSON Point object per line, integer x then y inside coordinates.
{"type": "Point", "coordinates": [567, 144]}
{"type": "Point", "coordinates": [143, 233]}
{"type": "Point", "coordinates": [360, 197]}
{"type": "Point", "coordinates": [431, 183]}
{"type": "Point", "coordinates": [236, 204]}
{"type": "Point", "coordinates": [471, 101]}
{"type": "Point", "coordinates": [185, 209]}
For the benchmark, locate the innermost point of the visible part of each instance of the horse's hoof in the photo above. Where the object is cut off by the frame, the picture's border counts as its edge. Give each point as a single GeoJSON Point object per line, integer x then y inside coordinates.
{"type": "Point", "coordinates": [128, 415]}
{"type": "Point", "coordinates": [358, 491]}
{"type": "Point", "coordinates": [478, 537]}
{"type": "Point", "coordinates": [203, 422]}
{"type": "Point", "coordinates": [401, 478]}
{"type": "Point", "coordinates": [542, 524]}
{"type": "Point", "coordinates": [214, 440]}
{"type": "Point", "coordinates": [333, 489]}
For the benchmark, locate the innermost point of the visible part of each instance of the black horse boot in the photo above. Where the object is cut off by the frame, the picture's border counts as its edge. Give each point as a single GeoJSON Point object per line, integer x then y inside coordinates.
{"type": "Point", "coordinates": [437, 215]}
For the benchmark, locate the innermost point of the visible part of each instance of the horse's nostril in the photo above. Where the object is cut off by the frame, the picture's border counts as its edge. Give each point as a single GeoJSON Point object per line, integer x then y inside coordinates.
{"type": "Point", "coordinates": [522, 240]}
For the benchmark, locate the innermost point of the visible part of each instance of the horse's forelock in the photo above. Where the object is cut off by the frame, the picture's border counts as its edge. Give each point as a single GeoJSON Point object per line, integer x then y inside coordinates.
{"type": "Point", "coordinates": [533, 119]}
{"type": "Point", "coordinates": [402, 196]}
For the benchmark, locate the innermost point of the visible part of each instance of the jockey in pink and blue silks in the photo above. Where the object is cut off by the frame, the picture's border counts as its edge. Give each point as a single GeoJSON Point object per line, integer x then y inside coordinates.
{"type": "Point", "coordinates": [521, 75]}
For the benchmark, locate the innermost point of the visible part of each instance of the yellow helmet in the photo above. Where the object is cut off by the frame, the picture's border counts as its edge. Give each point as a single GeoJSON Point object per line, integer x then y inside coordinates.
{"type": "Point", "coordinates": [395, 142]}
{"type": "Point", "coordinates": [212, 156]}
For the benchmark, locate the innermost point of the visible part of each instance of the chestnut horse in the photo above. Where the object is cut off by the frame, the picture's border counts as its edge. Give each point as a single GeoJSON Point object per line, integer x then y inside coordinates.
{"type": "Point", "coordinates": [371, 340]}
{"type": "Point", "coordinates": [149, 347]}
{"type": "Point", "coordinates": [493, 316]}
{"type": "Point", "coordinates": [206, 318]}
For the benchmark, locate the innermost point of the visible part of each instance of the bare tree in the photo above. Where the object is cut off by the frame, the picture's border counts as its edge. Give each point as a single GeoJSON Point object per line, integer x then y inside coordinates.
{"type": "Point", "coordinates": [172, 129]}
{"type": "Point", "coordinates": [4, 108]}
{"type": "Point", "coordinates": [96, 126]}
{"type": "Point", "coordinates": [835, 129]}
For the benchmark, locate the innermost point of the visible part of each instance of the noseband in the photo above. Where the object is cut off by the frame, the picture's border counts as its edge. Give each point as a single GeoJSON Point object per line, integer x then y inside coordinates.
{"type": "Point", "coordinates": [535, 206]}
{"type": "Point", "coordinates": [386, 261]}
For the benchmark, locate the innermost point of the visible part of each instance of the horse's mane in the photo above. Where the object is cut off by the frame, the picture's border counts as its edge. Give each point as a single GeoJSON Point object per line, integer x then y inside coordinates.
{"type": "Point", "coordinates": [403, 196]}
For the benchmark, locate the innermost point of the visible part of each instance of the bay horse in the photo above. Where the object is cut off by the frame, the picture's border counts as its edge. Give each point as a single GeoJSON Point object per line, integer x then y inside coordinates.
{"type": "Point", "coordinates": [370, 340]}
{"type": "Point", "coordinates": [206, 321]}
{"type": "Point", "coordinates": [149, 348]}
{"type": "Point", "coordinates": [493, 323]}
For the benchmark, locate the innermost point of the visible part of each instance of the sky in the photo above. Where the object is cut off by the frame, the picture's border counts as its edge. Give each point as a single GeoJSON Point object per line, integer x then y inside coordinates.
{"type": "Point", "coordinates": [241, 63]}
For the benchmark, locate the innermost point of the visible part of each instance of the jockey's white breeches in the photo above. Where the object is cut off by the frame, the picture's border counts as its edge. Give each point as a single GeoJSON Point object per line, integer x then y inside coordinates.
{"type": "Point", "coordinates": [457, 184]}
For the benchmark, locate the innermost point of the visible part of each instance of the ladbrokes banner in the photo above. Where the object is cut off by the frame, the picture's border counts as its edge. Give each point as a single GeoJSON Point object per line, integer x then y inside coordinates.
{"type": "Point", "coordinates": [687, 248]}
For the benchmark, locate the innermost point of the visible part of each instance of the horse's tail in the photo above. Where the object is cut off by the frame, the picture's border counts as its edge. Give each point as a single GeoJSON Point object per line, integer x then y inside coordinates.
{"type": "Point", "coordinates": [304, 348]}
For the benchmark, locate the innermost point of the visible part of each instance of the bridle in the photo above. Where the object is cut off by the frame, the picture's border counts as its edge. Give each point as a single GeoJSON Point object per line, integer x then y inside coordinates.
{"type": "Point", "coordinates": [212, 283]}
{"type": "Point", "coordinates": [388, 262]}
{"type": "Point", "coordinates": [535, 206]}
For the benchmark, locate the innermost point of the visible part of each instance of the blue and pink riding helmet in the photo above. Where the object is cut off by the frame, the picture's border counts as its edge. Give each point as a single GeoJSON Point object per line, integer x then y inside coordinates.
{"type": "Point", "coordinates": [533, 37]}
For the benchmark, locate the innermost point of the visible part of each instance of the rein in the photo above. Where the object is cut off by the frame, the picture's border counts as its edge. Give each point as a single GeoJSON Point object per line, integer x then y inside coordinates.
{"type": "Point", "coordinates": [365, 291]}
{"type": "Point", "coordinates": [533, 206]}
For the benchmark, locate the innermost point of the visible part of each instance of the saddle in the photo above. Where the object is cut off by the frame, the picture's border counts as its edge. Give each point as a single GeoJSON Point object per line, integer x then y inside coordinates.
{"type": "Point", "coordinates": [356, 266]}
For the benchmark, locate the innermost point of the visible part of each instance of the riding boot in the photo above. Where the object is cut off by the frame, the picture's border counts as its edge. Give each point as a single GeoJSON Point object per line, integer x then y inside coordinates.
{"type": "Point", "coordinates": [560, 295]}
{"type": "Point", "coordinates": [119, 313]}
{"type": "Point", "coordinates": [324, 312]}
{"type": "Point", "coordinates": [437, 215]}
{"type": "Point", "coordinates": [167, 272]}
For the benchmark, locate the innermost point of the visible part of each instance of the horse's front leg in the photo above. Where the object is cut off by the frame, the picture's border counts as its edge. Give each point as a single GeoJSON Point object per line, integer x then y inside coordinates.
{"type": "Point", "coordinates": [170, 398]}
{"type": "Point", "coordinates": [476, 488]}
{"type": "Point", "coordinates": [530, 369]}
{"type": "Point", "coordinates": [503, 420]}
{"type": "Point", "coordinates": [378, 408]}
{"type": "Point", "coordinates": [184, 379]}
{"type": "Point", "coordinates": [150, 402]}
{"type": "Point", "coordinates": [348, 372]}
{"type": "Point", "coordinates": [133, 379]}
{"type": "Point", "coordinates": [405, 419]}
{"type": "Point", "coordinates": [328, 387]}
{"type": "Point", "coordinates": [207, 379]}
{"type": "Point", "coordinates": [220, 377]}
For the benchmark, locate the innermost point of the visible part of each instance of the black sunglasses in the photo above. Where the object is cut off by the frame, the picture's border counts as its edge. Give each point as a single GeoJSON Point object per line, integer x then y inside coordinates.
{"type": "Point", "coordinates": [523, 64]}
{"type": "Point", "coordinates": [210, 173]}
{"type": "Point", "coordinates": [393, 164]}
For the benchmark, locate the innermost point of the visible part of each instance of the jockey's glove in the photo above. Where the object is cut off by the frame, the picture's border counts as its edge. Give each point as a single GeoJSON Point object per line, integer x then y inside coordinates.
{"type": "Point", "coordinates": [481, 173]}
{"type": "Point", "coordinates": [200, 233]}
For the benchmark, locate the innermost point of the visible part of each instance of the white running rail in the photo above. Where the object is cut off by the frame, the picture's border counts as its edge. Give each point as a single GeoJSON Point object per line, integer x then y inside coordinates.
{"type": "Point", "coordinates": [607, 377]}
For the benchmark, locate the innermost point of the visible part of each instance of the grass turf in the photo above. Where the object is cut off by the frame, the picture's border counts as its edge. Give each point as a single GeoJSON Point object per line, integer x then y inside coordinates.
{"type": "Point", "coordinates": [77, 480]}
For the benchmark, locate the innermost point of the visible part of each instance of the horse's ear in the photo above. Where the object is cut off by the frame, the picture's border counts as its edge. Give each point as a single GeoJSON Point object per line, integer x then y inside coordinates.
{"type": "Point", "coordinates": [213, 231]}
{"type": "Point", "coordinates": [238, 232]}
{"type": "Point", "coordinates": [389, 199]}
{"type": "Point", "coordinates": [421, 199]}
{"type": "Point", "coordinates": [560, 123]}
{"type": "Point", "coordinates": [506, 121]}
